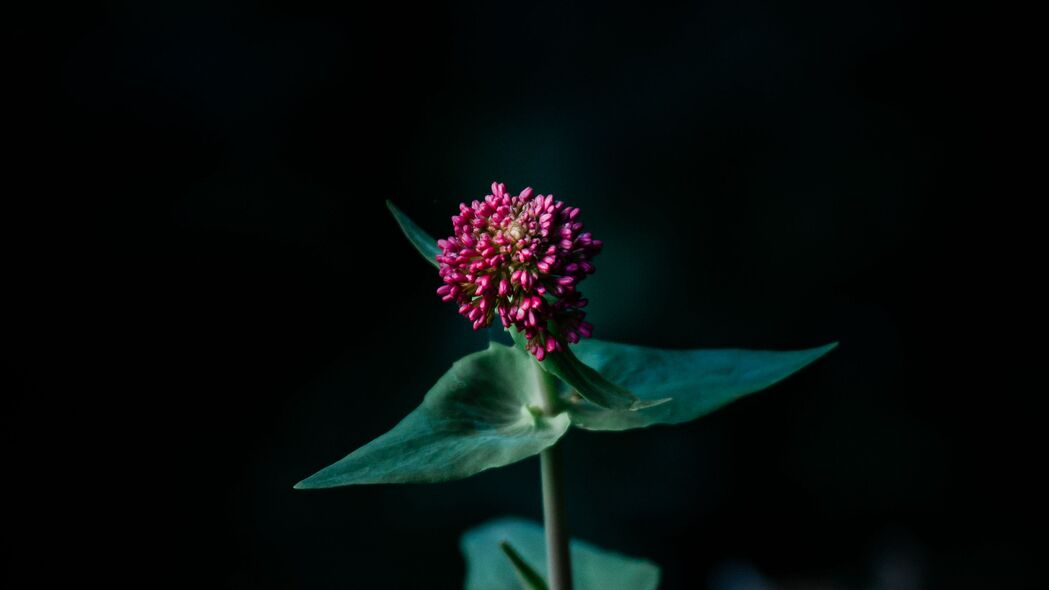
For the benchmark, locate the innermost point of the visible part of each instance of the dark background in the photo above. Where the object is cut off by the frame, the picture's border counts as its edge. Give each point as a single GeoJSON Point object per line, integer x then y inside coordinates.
{"type": "Point", "coordinates": [213, 303]}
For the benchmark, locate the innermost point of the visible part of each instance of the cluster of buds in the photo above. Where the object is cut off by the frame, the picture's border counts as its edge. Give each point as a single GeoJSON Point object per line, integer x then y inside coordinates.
{"type": "Point", "coordinates": [520, 258]}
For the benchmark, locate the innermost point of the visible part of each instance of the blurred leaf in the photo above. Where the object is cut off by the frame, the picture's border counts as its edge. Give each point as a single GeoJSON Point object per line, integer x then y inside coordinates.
{"type": "Point", "coordinates": [592, 568]}
{"type": "Point", "coordinates": [585, 380]}
{"type": "Point", "coordinates": [698, 381]}
{"type": "Point", "coordinates": [480, 414]}
{"type": "Point", "coordinates": [529, 579]}
{"type": "Point", "coordinates": [423, 242]}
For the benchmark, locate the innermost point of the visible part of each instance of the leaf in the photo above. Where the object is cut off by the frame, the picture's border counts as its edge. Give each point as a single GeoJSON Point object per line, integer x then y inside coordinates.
{"type": "Point", "coordinates": [592, 568]}
{"type": "Point", "coordinates": [423, 242]}
{"type": "Point", "coordinates": [589, 383]}
{"type": "Point", "coordinates": [698, 381]}
{"type": "Point", "coordinates": [481, 414]}
{"type": "Point", "coordinates": [529, 579]}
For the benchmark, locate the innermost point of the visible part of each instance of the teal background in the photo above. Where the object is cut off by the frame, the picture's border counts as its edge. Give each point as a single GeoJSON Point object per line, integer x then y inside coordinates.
{"type": "Point", "coordinates": [211, 301]}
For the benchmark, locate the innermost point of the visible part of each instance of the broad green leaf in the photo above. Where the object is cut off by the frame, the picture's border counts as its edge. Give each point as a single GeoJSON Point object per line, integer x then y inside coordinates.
{"type": "Point", "coordinates": [589, 383]}
{"type": "Point", "coordinates": [481, 414]}
{"type": "Point", "coordinates": [528, 577]}
{"type": "Point", "coordinates": [592, 568]}
{"type": "Point", "coordinates": [697, 381]}
{"type": "Point", "coordinates": [423, 242]}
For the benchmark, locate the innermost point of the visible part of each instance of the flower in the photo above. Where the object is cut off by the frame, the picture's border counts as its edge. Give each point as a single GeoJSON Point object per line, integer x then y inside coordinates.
{"type": "Point", "coordinates": [522, 258]}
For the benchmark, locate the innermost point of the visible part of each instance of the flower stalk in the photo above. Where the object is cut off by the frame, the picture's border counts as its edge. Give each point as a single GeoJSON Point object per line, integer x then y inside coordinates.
{"type": "Point", "coordinates": [558, 559]}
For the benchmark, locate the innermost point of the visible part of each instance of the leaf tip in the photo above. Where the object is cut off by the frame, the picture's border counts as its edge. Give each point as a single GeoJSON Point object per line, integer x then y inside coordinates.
{"type": "Point", "coordinates": [398, 215]}
{"type": "Point", "coordinates": [305, 484]}
{"type": "Point", "coordinates": [424, 243]}
{"type": "Point", "coordinates": [313, 482]}
{"type": "Point", "coordinates": [822, 350]}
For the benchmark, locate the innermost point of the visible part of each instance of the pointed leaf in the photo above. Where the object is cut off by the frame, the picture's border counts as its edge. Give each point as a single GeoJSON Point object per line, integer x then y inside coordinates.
{"type": "Point", "coordinates": [698, 381]}
{"type": "Point", "coordinates": [480, 414]}
{"type": "Point", "coordinates": [529, 579]}
{"type": "Point", "coordinates": [423, 242]}
{"type": "Point", "coordinates": [592, 568]}
{"type": "Point", "coordinates": [589, 383]}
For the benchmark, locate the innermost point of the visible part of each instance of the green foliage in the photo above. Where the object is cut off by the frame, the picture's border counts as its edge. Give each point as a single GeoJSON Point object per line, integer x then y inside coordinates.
{"type": "Point", "coordinates": [697, 381]}
{"type": "Point", "coordinates": [423, 242]}
{"type": "Point", "coordinates": [528, 577]}
{"type": "Point", "coordinates": [592, 568]}
{"type": "Point", "coordinates": [484, 412]}
{"type": "Point", "coordinates": [586, 381]}
{"type": "Point", "coordinates": [481, 414]}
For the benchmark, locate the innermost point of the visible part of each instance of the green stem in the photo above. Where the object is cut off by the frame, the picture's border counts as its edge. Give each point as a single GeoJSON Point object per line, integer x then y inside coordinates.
{"type": "Point", "coordinates": [558, 560]}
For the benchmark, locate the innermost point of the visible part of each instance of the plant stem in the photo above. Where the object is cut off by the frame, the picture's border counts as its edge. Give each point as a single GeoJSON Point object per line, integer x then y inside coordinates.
{"type": "Point", "coordinates": [559, 564]}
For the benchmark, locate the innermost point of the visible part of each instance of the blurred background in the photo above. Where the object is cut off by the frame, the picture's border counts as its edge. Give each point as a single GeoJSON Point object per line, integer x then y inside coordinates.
{"type": "Point", "coordinates": [217, 304]}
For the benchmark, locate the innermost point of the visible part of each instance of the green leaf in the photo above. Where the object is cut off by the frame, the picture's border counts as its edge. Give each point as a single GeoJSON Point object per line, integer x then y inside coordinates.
{"type": "Point", "coordinates": [423, 242]}
{"type": "Point", "coordinates": [589, 383]}
{"type": "Point", "coordinates": [698, 381]}
{"type": "Point", "coordinates": [529, 579]}
{"type": "Point", "coordinates": [481, 414]}
{"type": "Point", "coordinates": [592, 568]}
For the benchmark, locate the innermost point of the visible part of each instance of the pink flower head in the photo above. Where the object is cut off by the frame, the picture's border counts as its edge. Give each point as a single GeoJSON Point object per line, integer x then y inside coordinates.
{"type": "Point", "coordinates": [522, 258]}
